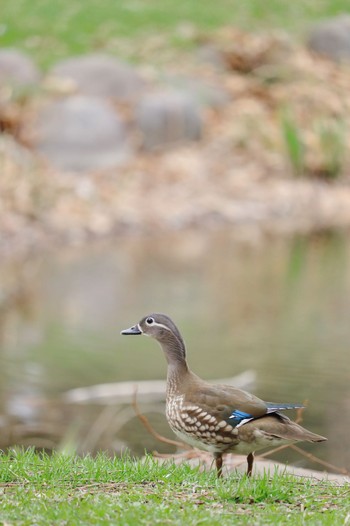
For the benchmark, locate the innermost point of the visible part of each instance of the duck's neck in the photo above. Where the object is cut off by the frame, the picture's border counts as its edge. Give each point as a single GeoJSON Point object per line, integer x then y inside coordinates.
{"type": "Point", "coordinates": [175, 353]}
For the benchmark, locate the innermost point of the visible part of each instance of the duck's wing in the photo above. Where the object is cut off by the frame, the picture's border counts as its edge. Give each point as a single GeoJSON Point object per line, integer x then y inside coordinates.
{"type": "Point", "coordinates": [231, 404]}
{"type": "Point", "coordinates": [226, 402]}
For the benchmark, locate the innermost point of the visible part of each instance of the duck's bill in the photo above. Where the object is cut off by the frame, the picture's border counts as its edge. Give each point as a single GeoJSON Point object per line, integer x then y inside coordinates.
{"type": "Point", "coordinates": [132, 331]}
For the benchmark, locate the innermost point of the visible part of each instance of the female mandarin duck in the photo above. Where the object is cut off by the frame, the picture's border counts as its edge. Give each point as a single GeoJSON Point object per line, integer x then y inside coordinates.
{"type": "Point", "coordinates": [217, 418]}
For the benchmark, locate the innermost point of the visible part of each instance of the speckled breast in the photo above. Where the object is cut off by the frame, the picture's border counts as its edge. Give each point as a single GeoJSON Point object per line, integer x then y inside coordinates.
{"type": "Point", "coordinates": [197, 427]}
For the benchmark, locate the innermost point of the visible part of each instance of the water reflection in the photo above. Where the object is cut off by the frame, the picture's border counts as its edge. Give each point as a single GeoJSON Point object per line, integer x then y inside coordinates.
{"type": "Point", "coordinates": [278, 306]}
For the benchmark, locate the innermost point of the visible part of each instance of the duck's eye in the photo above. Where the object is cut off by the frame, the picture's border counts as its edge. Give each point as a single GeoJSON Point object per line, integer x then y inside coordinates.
{"type": "Point", "coordinates": [149, 321]}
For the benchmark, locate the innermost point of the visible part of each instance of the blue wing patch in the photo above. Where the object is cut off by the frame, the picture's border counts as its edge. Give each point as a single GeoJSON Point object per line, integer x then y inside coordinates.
{"type": "Point", "coordinates": [238, 416]}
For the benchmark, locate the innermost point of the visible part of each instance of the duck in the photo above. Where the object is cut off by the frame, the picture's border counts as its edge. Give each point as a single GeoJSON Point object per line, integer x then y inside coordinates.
{"type": "Point", "coordinates": [217, 418]}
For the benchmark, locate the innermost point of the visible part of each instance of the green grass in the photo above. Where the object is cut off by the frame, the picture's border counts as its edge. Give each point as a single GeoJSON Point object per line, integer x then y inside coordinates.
{"type": "Point", "coordinates": [51, 30]}
{"type": "Point", "coordinates": [294, 144]}
{"type": "Point", "coordinates": [38, 489]}
{"type": "Point", "coordinates": [331, 138]}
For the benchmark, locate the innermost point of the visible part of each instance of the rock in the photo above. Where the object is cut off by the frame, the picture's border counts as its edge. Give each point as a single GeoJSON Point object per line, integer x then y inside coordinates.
{"type": "Point", "coordinates": [167, 118]}
{"type": "Point", "coordinates": [17, 69]}
{"type": "Point", "coordinates": [81, 133]}
{"type": "Point", "coordinates": [332, 38]}
{"type": "Point", "coordinates": [100, 76]}
{"type": "Point", "coordinates": [207, 94]}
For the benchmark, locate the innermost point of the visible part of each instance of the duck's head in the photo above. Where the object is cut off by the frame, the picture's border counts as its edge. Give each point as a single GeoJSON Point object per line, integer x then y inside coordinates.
{"type": "Point", "coordinates": [163, 329]}
{"type": "Point", "coordinates": [158, 326]}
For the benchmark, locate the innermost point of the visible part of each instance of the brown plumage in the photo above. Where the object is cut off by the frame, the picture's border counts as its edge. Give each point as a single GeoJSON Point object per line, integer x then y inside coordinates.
{"type": "Point", "coordinates": [217, 418]}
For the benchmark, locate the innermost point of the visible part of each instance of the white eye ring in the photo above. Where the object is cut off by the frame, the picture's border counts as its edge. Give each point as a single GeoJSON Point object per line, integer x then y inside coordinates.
{"type": "Point", "coordinates": [149, 321]}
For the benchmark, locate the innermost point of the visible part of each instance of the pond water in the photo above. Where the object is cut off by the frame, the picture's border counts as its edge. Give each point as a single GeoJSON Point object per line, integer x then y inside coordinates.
{"type": "Point", "coordinates": [279, 307]}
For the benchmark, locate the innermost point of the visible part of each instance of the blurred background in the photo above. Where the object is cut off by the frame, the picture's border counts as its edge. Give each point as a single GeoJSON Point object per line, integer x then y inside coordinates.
{"type": "Point", "coordinates": [161, 156]}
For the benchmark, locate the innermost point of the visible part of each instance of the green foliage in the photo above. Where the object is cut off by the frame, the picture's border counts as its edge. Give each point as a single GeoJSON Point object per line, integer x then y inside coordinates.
{"type": "Point", "coordinates": [293, 143]}
{"type": "Point", "coordinates": [332, 139]}
{"type": "Point", "coordinates": [38, 489]}
{"type": "Point", "coordinates": [330, 147]}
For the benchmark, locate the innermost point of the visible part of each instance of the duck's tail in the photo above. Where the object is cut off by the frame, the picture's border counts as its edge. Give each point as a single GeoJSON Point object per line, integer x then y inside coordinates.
{"type": "Point", "coordinates": [280, 426]}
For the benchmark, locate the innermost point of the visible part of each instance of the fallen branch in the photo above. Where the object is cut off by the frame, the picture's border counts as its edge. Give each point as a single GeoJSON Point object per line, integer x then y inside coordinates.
{"type": "Point", "coordinates": [150, 390]}
{"type": "Point", "coordinates": [150, 429]}
{"type": "Point", "coordinates": [313, 458]}
{"type": "Point", "coordinates": [300, 412]}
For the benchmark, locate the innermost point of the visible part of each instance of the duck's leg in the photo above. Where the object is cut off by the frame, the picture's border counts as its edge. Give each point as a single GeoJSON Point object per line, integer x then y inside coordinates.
{"type": "Point", "coordinates": [218, 462]}
{"type": "Point", "coordinates": [250, 461]}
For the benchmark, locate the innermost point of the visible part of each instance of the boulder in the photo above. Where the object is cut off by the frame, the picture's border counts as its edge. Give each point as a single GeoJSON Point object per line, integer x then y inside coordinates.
{"type": "Point", "coordinates": [332, 38]}
{"type": "Point", "coordinates": [81, 133]}
{"type": "Point", "coordinates": [167, 118]}
{"type": "Point", "coordinates": [100, 75]}
{"type": "Point", "coordinates": [206, 93]}
{"type": "Point", "coordinates": [17, 69]}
